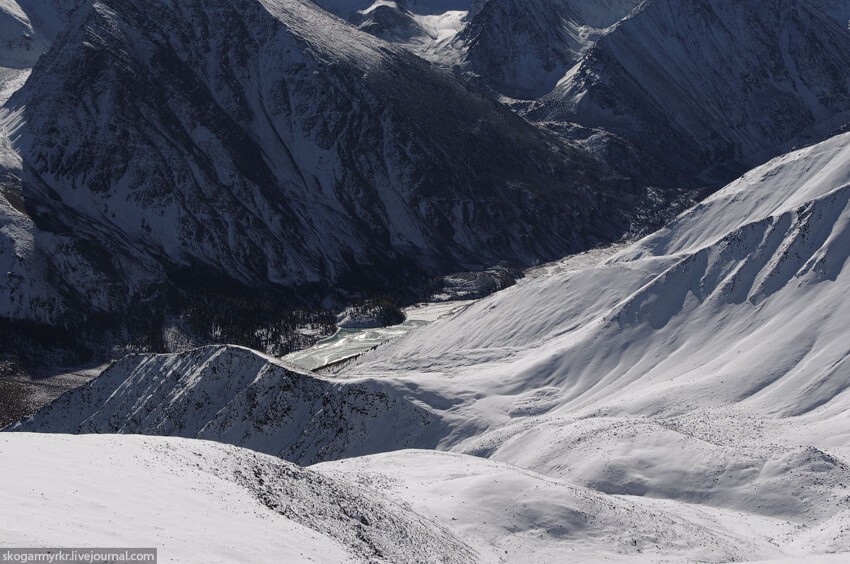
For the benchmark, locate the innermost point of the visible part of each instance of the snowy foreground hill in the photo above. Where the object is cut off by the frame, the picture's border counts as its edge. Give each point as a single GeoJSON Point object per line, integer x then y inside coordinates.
{"type": "Point", "coordinates": [682, 398]}
{"type": "Point", "coordinates": [202, 502]}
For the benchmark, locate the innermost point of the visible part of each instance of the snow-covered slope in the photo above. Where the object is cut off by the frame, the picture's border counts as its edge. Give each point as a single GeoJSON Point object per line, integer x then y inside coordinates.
{"type": "Point", "coordinates": [424, 26]}
{"type": "Point", "coordinates": [521, 49]}
{"type": "Point", "coordinates": [516, 48]}
{"type": "Point", "coordinates": [705, 363]}
{"type": "Point", "coordinates": [720, 83]}
{"type": "Point", "coordinates": [241, 397]}
{"type": "Point", "coordinates": [19, 44]}
{"type": "Point", "coordinates": [197, 501]}
{"type": "Point", "coordinates": [270, 145]}
{"type": "Point", "coordinates": [27, 28]}
{"type": "Point", "coordinates": [508, 514]}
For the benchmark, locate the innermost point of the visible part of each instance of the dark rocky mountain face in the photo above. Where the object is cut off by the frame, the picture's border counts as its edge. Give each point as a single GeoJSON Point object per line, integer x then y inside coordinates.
{"type": "Point", "coordinates": [710, 89]}
{"type": "Point", "coordinates": [671, 92]}
{"type": "Point", "coordinates": [176, 151]}
{"type": "Point", "coordinates": [839, 10]}
{"type": "Point", "coordinates": [263, 147]}
{"type": "Point", "coordinates": [522, 49]}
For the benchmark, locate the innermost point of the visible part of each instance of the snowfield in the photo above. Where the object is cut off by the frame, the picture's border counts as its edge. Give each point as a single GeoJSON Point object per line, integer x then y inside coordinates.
{"type": "Point", "coordinates": [682, 398]}
{"type": "Point", "coordinates": [201, 502]}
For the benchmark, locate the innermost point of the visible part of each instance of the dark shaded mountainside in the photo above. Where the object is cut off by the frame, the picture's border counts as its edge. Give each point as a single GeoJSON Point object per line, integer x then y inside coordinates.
{"type": "Point", "coordinates": [712, 88]}
{"type": "Point", "coordinates": [687, 92]}
{"type": "Point", "coordinates": [670, 92]}
{"type": "Point", "coordinates": [523, 49]}
{"type": "Point", "coordinates": [172, 148]}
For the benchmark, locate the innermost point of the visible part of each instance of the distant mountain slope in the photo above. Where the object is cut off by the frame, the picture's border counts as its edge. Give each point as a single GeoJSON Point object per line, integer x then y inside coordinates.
{"type": "Point", "coordinates": [522, 49]}
{"type": "Point", "coordinates": [241, 397]}
{"type": "Point", "coordinates": [672, 92]}
{"type": "Point", "coordinates": [198, 501]}
{"type": "Point", "coordinates": [516, 48]}
{"type": "Point", "coordinates": [267, 145]}
{"type": "Point", "coordinates": [718, 84]}
{"type": "Point", "coordinates": [420, 24]}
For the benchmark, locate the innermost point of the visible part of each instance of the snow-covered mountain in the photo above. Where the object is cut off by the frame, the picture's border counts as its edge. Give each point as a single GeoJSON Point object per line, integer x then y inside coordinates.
{"type": "Point", "coordinates": [699, 373]}
{"type": "Point", "coordinates": [521, 49]}
{"type": "Point", "coordinates": [683, 397]}
{"type": "Point", "coordinates": [720, 85]}
{"type": "Point", "coordinates": [268, 145]}
{"type": "Point", "coordinates": [517, 48]}
{"type": "Point", "coordinates": [277, 148]}
{"type": "Point", "coordinates": [705, 363]}
{"type": "Point", "coordinates": [238, 396]}
{"type": "Point", "coordinates": [673, 92]}
{"type": "Point", "coordinates": [28, 26]}
{"type": "Point", "coordinates": [425, 26]}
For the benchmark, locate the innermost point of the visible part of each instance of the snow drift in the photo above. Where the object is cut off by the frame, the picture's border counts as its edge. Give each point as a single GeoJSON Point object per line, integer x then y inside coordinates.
{"type": "Point", "coordinates": [197, 501]}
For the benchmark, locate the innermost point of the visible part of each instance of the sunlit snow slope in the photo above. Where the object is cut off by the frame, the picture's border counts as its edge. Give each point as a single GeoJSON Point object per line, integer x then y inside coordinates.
{"type": "Point", "coordinates": [201, 502]}
{"type": "Point", "coordinates": [706, 363]}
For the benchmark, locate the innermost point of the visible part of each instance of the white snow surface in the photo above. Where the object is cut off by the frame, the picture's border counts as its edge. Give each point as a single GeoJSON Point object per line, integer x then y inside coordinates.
{"type": "Point", "coordinates": [508, 514]}
{"type": "Point", "coordinates": [197, 501]}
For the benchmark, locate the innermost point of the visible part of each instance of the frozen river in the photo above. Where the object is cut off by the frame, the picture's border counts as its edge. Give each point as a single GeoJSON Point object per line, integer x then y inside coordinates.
{"type": "Point", "coordinates": [348, 343]}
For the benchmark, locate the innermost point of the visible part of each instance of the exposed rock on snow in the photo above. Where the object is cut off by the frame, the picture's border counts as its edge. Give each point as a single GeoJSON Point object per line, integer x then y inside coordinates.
{"type": "Point", "coordinates": [370, 316]}
{"type": "Point", "coordinates": [474, 285]}
{"type": "Point", "coordinates": [241, 397]}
